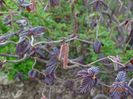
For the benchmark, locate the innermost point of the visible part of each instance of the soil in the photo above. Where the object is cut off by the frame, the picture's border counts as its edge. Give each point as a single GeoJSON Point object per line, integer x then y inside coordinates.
{"type": "Point", "coordinates": [33, 90]}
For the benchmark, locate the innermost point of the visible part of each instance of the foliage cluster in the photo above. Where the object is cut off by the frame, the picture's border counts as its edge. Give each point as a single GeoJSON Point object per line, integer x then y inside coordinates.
{"type": "Point", "coordinates": [42, 39]}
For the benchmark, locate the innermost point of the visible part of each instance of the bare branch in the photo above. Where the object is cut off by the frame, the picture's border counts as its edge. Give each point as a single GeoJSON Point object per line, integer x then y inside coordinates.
{"type": "Point", "coordinates": [9, 55]}
{"type": "Point", "coordinates": [19, 60]}
{"type": "Point", "coordinates": [130, 82]}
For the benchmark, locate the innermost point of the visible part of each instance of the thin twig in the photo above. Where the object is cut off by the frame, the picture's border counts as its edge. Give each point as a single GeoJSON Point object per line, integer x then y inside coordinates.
{"type": "Point", "coordinates": [82, 65]}
{"type": "Point", "coordinates": [130, 82]}
{"type": "Point", "coordinates": [7, 42]}
{"type": "Point", "coordinates": [35, 60]}
{"type": "Point", "coordinates": [9, 55]}
{"type": "Point", "coordinates": [59, 41]}
{"type": "Point", "coordinates": [109, 57]}
{"type": "Point", "coordinates": [96, 61]}
{"type": "Point", "coordinates": [49, 95]}
{"type": "Point", "coordinates": [85, 41]}
{"type": "Point", "coordinates": [19, 60]}
{"type": "Point", "coordinates": [76, 64]}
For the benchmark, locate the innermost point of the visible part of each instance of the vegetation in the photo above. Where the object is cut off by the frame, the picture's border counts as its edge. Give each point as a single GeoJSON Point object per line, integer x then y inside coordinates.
{"type": "Point", "coordinates": [87, 39]}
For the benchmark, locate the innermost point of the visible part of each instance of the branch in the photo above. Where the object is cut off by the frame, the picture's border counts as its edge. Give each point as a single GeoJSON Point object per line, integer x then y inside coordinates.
{"type": "Point", "coordinates": [130, 82]}
{"type": "Point", "coordinates": [58, 41]}
{"type": "Point", "coordinates": [87, 65]}
{"type": "Point", "coordinates": [110, 57]}
{"type": "Point", "coordinates": [76, 64]}
{"type": "Point", "coordinates": [19, 60]}
{"type": "Point", "coordinates": [7, 42]}
{"type": "Point", "coordinates": [35, 60]}
{"type": "Point", "coordinates": [9, 55]}
{"type": "Point", "coordinates": [65, 39]}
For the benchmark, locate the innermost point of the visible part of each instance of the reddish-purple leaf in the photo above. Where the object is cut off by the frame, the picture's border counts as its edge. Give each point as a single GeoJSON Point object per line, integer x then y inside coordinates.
{"type": "Point", "coordinates": [87, 84]}
{"type": "Point", "coordinates": [22, 47]}
{"type": "Point", "coordinates": [97, 46]}
{"type": "Point", "coordinates": [89, 79]}
{"type": "Point", "coordinates": [118, 90]}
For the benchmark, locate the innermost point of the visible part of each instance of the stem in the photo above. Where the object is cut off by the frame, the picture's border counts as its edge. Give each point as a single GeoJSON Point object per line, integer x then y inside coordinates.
{"type": "Point", "coordinates": [130, 82]}
{"type": "Point", "coordinates": [109, 57]}
{"type": "Point", "coordinates": [76, 64]}
{"type": "Point", "coordinates": [7, 42]}
{"type": "Point", "coordinates": [75, 22]}
{"type": "Point", "coordinates": [58, 41]}
{"type": "Point", "coordinates": [36, 69]}
{"type": "Point", "coordinates": [9, 55]}
{"type": "Point", "coordinates": [96, 61]}
{"type": "Point", "coordinates": [66, 40]}
{"type": "Point", "coordinates": [97, 30]}
{"type": "Point", "coordinates": [49, 95]}
{"type": "Point", "coordinates": [32, 40]}
{"type": "Point", "coordinates": [16, 61]}
{"type": "Point", "coordinates": [87, 65]}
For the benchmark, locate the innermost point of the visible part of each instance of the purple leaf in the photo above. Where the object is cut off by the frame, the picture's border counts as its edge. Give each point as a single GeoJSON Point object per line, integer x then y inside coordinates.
{"type": "Point", "coordinates": [115, 95]}
{"type": "Point", "coordinates": [118, 90]}
{"type": "Point", "coordinates": [130, 90]}
{"type": "Point", "coordinates": [121, 76]}
{"type": "Point", "coordinates": [95, 70]}
{"type": "Point", "coordinates": [89, 79]}
{"type": "Point", "coordinates": [82, 73]}
{"type": "Point", "coordinates": [50, 69]}
{"type": "Point", "coordinates": [87, 84]}
{"type": "Point", "coordinates": [93, 23]}
{"type": "Point", "coordinates": [97, 47]}
{"type": "Point", "coordinates": [22, 47]}
{"type": "Point", "coordinates": [51, 65]}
